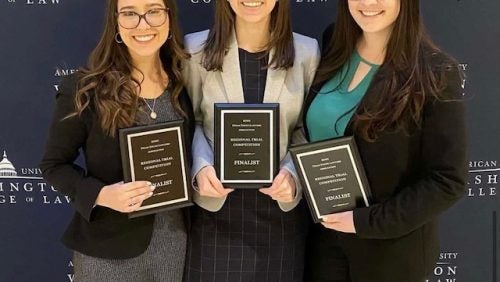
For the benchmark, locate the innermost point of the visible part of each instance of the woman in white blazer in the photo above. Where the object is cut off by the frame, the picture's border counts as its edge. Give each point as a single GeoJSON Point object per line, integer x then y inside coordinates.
{"type": "Point", "coordinates": [252, 56]}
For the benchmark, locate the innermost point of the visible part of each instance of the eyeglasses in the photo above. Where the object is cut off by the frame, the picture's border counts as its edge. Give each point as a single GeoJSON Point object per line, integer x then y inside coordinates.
{"type": "Point", "coordinates": [154, 18]}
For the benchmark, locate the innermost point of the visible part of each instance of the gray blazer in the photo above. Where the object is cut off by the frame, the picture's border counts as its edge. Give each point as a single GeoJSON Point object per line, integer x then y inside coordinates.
{"type": "Point", "coordinates": [286, 87]}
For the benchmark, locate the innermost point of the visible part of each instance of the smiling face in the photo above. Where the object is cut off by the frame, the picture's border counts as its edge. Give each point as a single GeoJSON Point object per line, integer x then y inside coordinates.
{"type": "Point", "coordinates": [375, 16]}
{"type": "Point", "coordinates": [253, 11]}
{"type": "Point", "coordinates": [143, 40]}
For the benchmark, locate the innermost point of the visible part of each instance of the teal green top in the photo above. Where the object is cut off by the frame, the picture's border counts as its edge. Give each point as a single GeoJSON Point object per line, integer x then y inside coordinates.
{"type": "Point", "coordinates": [333, 107]}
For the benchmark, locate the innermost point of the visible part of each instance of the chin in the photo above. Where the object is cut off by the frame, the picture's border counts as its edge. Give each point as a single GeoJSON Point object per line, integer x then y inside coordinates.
{"type": "Point", "coordinates": [373, 29]}
{"type": "Point", "coordinates": [253, 19]}
{"type": "Point", "coordinates": [143, 53]}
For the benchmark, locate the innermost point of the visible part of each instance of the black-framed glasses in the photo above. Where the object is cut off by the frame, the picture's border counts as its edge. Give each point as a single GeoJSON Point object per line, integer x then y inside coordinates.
{"type": "Point", "coordinates": [154, 18]}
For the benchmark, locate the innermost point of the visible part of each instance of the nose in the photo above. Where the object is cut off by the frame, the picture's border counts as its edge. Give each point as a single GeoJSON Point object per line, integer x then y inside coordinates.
{"type": "Point", "coordinates": [143, 24]}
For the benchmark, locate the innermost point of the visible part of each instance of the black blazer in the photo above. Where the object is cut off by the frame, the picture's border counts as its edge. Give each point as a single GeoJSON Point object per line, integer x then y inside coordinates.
{"type": "Point", "coordinates": [94, 231]}
{"type": "Point", "coordinates": [413, 178]}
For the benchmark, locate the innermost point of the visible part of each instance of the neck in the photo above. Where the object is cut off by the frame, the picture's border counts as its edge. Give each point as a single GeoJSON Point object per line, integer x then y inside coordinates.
{"type": "Point", "coordinates": [148, 68]}
{"type": "Point", "coordinates": [373, 46]}
{"type": "Point", "coordinates": [253, 37]}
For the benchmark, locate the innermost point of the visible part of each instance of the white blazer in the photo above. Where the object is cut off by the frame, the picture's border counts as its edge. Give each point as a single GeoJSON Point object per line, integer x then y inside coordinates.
{"type": "Point", "coordinates": [286, 87]}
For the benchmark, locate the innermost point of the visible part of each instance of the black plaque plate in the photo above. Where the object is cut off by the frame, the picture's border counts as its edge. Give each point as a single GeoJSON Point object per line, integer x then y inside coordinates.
{"type": "Point", "coordinates": [332, 175]}
{"type": "Point", "coordinates": [246, 144]}
{"type": "Point", "coordinates": [156, 153]}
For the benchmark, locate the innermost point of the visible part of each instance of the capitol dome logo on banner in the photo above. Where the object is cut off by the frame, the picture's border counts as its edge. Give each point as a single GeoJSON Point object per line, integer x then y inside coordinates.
{"type": "Point", "coordinates": [25, 186]}
{"type": "Point", "coordinates": [7, 169]}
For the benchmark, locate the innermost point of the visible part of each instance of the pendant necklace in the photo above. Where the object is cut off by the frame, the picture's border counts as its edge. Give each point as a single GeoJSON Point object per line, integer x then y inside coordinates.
{"type": "Point", "coordinates": [153, 114]}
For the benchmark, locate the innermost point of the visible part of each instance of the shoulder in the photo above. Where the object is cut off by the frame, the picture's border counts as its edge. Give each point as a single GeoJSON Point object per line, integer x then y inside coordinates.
{"type": "Point", "coordinates": [306, 51]}
{"type": "Point", "coordinates": [69, 85]}
{"type": "Point", "coordinates": [67, 94]}
{"type": "Point", "coordinates": [194, 42]}
{"type": "Point", "coordinates": [437, 59]}
{"type": "Point", "coordinates": [304, 44]}
{"type": "Point", "coordinates": [70, 81]}
{"type": "Point", "coordinates": [329, 28]}
{"type": "Point", "coordinates": [447, 70]}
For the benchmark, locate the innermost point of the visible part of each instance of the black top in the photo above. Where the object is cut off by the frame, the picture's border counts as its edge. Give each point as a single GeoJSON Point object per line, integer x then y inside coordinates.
{"type": "Point", "coordinates": [95, 231]}
{"type": "Point", "coordinates": [161, 105]}
{"type": "Point", "coordinates": [413, 177]}
{"type": "Point", "coordinates": [253, 68]}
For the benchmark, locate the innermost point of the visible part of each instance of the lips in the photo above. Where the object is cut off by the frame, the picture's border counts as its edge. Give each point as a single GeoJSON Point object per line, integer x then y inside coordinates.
{"type": "Point", "coordinates": [144, 38]}
{"type": "Point", "coordinates": [371, 13]}
{"type": "Point", "coordinates": [252, 4]}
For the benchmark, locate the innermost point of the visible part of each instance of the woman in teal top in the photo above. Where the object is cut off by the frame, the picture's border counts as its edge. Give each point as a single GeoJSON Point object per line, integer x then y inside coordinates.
{"type": "Point", "coordinates": [332, 109]}
{"type": "Point", "coordinates": [402, 104]}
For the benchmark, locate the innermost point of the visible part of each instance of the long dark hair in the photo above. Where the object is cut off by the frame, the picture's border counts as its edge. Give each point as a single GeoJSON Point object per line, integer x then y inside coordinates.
{"type": "Point", "coordinates": [281, 40]}
{"type": "Point", "coordinates": [107, 84]}
{"type": "Point", "coordinates": [414, 69]}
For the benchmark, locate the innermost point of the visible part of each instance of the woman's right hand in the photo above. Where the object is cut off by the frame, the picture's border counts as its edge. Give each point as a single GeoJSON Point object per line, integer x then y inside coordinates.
{"type": "Point", "coordinates": [125, 197]}
{"type": "Point", "coordinates": [209, 185]}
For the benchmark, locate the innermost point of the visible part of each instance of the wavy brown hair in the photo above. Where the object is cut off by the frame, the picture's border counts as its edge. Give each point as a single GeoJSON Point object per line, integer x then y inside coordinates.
{"type": "Point", "coordinates": [414, 69]}
{"type": "Point", "coordinates": [281, 40]}
{"type": "Point", "coordinates": [106, 84]}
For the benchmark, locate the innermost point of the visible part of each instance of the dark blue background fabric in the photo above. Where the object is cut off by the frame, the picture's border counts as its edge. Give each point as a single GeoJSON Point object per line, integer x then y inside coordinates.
{"type": "Point", "coordinates": [43, 40]}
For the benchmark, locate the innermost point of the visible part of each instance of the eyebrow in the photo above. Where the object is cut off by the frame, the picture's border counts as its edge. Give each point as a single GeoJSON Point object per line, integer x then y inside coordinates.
{"type": "Point", "coordinates": [147, 5]}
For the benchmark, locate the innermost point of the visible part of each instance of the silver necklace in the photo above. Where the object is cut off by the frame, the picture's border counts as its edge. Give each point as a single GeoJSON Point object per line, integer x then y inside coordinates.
{"type": "Point", "coordinates": [153, 114]}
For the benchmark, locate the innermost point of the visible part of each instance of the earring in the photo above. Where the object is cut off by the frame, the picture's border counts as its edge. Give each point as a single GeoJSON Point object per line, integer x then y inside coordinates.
{"type": "Point", "coordinates": [169, 36]}
{"type": "Point", "coordinates": [118, 38]}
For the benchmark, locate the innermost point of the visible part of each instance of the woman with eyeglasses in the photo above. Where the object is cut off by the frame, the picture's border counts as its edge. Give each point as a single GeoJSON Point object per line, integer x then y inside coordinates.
{"type": "Point", "coordinates": [133, 77]}
{"type": "Point", "coordinates": [383, 81]}
{"type": "Point", "coordinates": [249, 56]}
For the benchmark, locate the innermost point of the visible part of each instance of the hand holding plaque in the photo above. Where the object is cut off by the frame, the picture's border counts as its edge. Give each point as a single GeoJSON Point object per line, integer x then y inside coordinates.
{"type": "Point", "coordinates": [246, 144]}
{"type": "Point", "coordinates": [332, 175]}
{"type": "Point", "coordinates": [156, 153]}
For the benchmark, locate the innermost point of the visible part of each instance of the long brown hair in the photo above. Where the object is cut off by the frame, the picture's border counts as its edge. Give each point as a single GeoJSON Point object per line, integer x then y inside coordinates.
{"type": "Point", "coordinates": [281, 40]}
{"type": "Point", "coordinates": [107, 84]}
{"type": "Point", "coordinates": [414, 69]}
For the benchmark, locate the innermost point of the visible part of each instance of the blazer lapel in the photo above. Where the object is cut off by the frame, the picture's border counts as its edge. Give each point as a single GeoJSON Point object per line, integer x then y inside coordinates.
{"type": "Point", "coordinates": [274, 83]}
{"type": "Point", "coordinates": [231, 74]}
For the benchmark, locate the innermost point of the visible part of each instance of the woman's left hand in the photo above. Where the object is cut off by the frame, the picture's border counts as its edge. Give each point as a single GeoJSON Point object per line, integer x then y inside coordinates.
{"type": "Point", "coordinates": [282, 189]}
{"type": "Point", "coordinates": [343, 222]}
